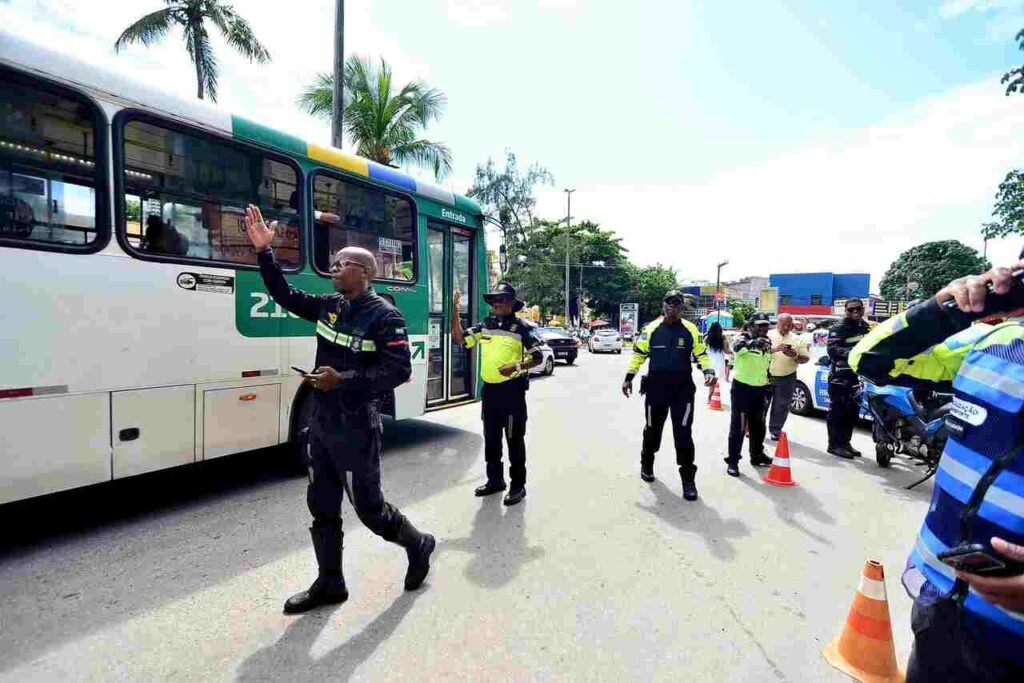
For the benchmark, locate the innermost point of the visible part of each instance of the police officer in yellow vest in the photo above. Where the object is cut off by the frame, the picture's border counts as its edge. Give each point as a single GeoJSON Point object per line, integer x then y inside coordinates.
{"type": "Point", "coordinates": [509, 347]}
{"type": "Point", "coordinates": [753, 351]}
{"type": "Point", "coordinates": [668, 343]}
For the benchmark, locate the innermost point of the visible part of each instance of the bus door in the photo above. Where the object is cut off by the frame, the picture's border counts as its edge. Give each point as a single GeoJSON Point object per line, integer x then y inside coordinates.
{"type": "Point", "coordinates": [450, 252]}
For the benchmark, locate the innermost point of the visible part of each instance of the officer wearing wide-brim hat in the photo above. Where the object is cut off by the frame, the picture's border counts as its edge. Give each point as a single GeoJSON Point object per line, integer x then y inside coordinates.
{"type": "Point", "coordinates": [509, 347]}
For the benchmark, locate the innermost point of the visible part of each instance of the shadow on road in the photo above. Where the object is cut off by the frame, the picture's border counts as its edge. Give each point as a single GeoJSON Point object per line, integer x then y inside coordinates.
{"type": "Point", "coordinates": [696, 518]}
{"type": "Point", "coordinates": [290, 659]}
{"type": "Point", "coordinates": [96, 557]}
{"type": "Point", "coordinates": [497, 542]}
{"type": "Point", "coordinates": [901, 473]}
{"type": "Point", "coordinates": [791, 501]}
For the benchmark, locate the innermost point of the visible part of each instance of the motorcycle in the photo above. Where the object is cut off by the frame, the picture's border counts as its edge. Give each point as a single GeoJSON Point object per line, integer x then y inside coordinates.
{"type": "Point", "coordinates": [908, 422]}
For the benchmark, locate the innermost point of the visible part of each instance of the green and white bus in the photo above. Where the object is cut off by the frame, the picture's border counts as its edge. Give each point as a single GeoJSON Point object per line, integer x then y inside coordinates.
{"type": "Point", "coordinates": [136, 333]}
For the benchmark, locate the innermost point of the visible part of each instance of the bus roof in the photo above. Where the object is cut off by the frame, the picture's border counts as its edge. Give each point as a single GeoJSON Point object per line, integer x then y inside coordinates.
{"type": "Point", "coordinates": [104, 84]}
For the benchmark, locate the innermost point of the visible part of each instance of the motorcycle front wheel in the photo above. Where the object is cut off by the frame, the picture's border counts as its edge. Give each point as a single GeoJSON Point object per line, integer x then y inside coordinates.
{"type": "Point", "coordinates": [883, 456]}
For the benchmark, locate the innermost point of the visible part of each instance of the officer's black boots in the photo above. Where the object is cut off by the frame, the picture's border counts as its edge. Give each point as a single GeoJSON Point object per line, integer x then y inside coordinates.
{"type": "Point", "coordinates": [760, 460]}
{"type": "Point", "coordinates": [689, 483]}
{"type": "Point", "coordinates": [495, 480]}
{"type": "Point", "coordinates": [516, 494]}
{"type": "Point", "coordinates": [418, 547]}
{"type": "Point", "coordinates": [646, 468]}
{"type": "Point", "coordinates": [329, 587]}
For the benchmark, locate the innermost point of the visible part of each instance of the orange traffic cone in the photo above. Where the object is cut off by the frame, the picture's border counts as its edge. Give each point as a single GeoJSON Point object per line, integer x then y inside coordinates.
{"type": "Point", "coordinates": [864, 650]}
{"type": "Point", "coordinates": [780, 474]}
{"type": "Point", "coordinates": [716, 398]}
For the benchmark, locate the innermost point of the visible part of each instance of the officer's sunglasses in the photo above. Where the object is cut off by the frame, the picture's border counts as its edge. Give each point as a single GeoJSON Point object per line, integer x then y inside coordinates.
{"type": "Point", "coordinates": [855, 309]}
{"type": "Point", "coordinates": [674, 302]}
{"type": "Point", "coordinates": [341, 265]}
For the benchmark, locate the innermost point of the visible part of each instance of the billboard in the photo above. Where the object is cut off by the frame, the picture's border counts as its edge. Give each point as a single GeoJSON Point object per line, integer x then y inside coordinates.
{"type": "Point", "coordinates": [768, 302]}
{"type": "Point", "coordinates": [628, 314]}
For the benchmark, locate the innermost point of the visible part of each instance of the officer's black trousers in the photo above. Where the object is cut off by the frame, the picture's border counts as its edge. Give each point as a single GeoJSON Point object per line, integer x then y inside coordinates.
{"type": "Point", "coordinates": [656, 410]}
{"type": "Point", "coordinates": [747, 405]}
{"type": "Point", "coordinates": [842, 412]}
{"type": "Point", "coordinates": [504, 412]}
{"type": "Point", "coordinates": [345, 458]}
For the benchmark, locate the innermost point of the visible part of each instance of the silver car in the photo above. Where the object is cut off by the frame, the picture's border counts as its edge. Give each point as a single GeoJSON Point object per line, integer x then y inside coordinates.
{"type": "Point", "coordinates": [605, 339]}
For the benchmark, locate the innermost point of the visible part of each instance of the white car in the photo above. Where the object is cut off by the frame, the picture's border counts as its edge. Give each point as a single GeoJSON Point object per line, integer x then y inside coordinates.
{"type": "Point", "coordinates": [811, 392]}
{"type": "Point", "coordinates": [548, 366]}
{"type": "Point", "coordinates": [605, 340]}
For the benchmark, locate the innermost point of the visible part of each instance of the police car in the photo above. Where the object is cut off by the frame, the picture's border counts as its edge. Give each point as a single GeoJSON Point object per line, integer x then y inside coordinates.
{"type": "Point", "coordinates": [811, 392]}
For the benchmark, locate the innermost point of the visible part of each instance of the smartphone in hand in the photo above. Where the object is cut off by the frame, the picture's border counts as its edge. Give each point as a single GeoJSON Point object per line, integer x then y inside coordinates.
{"type": "Point", "coordinates": [300, 371]}
{"type": "Point", "coordinates": [977, 558]}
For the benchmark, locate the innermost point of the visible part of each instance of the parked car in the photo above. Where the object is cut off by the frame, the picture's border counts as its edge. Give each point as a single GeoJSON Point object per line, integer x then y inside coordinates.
{"type": "Point", "coordinates": [605, 339]}
{"type": "Point", "coordinates": [564, 346]}
{"type": "Point", "coordinates": [548, 366]}
{"type": "Point", "coordinates": [811, 391]}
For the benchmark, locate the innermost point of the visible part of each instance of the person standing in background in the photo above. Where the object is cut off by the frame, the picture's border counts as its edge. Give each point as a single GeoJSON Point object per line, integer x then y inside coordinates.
{"type": "Point", "coordinates": [789, 351]}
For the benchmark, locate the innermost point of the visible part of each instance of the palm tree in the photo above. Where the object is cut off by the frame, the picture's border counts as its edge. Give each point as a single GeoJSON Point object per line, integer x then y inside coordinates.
{"type": "Point", "coordinates": [191, 16]}
{"type": "Point", "coordinates": [384, 124]}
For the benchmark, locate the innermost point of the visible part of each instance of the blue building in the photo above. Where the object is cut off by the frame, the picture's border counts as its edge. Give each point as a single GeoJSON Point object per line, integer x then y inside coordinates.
{"type": "Point", "coordinates": [813, 293]}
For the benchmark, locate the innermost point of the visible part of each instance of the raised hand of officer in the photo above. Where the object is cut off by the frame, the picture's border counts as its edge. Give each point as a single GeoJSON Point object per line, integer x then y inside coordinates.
{"type": "Point", "coordinates": [970, 292]}
{"type": "Point", "coordinates": [1006, 591]}
{"type": "Point", "coordinates": [324, 378]}
{"type": "Point", "coordinates": [627, 388]}
{"type": "Point", "coordinates": [260, 234]}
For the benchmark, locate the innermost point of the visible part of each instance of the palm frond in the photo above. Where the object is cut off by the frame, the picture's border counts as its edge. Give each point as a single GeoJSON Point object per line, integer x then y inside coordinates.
{"type": "Point", "coordinates": [318, 99]}
{"type": "Point", "coordinates": [209, 62]}
{"type": "Point", "coordinates": [435, 155]}
{"type": "Point", "coordinates": [147, 30]}
{"type": "Point", "coordinates": [237, 32]}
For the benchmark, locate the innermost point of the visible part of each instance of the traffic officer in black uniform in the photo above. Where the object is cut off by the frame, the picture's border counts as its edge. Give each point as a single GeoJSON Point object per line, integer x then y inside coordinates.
{"type": "Point", "coordinates": [668, 343]}
{"type": "Point", "coordinates": [362, 353]}
{"type": "Point", "coordinates": [842, 381]}
{"type": "Point", "coordinates": [509, 347]}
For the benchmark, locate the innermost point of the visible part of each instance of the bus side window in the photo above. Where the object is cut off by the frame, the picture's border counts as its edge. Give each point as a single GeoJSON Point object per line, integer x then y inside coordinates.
{"type": "Point", "coordinates": [48, 173]}
{"type": "Point", "coordinates": [350, 214]}
{"type": "Point", "coordinates": [186, 193]}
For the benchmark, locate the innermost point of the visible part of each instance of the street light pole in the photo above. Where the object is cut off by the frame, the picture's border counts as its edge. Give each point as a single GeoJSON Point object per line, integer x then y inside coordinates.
{"type": "Point", "coordinates": [338, 105]}
{"type": "Point", "coordinates": [718, 286]}
{"type": "Point", "coordinates": [568, 223]}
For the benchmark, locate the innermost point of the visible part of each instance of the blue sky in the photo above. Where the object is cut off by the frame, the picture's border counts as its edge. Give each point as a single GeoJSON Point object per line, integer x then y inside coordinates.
{"type": "Point", "coordinates": [785, 136]}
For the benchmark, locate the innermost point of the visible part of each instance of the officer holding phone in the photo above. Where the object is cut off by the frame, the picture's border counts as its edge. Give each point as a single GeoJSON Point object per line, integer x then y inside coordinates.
{"type": "Point", "coordinates": [362, 352]}
{"type": "Point", "coordinates": [966, 570]}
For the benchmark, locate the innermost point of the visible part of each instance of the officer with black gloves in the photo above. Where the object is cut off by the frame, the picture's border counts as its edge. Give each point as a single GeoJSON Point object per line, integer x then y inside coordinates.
{"type": "Point", "coordinates": [362, 353]}
{"type": "Point", "coordinates": [752, 356]}
{"type": "Point", "coordinates": [842, 381]}
{"type": "Point", "coordinates": [668, 343]}
{"type": "Point", "coordinates": [509, 347]}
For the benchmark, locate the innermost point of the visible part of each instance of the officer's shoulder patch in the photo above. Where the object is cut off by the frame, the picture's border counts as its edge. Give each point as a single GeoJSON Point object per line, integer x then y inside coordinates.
{"type": "Point", "coordinates": [332, 318]}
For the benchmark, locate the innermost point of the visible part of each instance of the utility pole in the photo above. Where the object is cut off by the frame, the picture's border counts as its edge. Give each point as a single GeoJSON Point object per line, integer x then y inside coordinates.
{"type": "Point", "coordinates": [338, 104]}
{"type": "Point", "coordinates": [568, 224]}
{"type": "Point", "coordinates": [718, 287]}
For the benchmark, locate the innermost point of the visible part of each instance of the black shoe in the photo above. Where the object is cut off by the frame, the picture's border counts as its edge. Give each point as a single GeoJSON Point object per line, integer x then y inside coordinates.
{"type": "Point", "coordinates": [515, 495]}
{"type": "Point", "coordinates": [689, 489]}
{"type": "Point", "coordinates": [647, 472]}
{"type": "Point", "coordinates": [489, 488]}
{"type": "Point", "coordinates": [856, 453]}
{"type": "Point", "coordinates": [842, 452]}
{"type": "Point", "coordinates": [731, 468]}
{"type": "Point", "coordinates": [760, 461]}
{"type": "Point", "coordinates": [326, 590]}
{"type": "Point", "coordinates": [773, 437]}
{"type": "Point", "coordinates": [419, 561]}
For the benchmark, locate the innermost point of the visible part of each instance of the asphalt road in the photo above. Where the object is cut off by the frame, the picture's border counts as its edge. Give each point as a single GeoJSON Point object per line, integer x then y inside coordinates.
{"type": "Point", "coordinates": [595, 576]}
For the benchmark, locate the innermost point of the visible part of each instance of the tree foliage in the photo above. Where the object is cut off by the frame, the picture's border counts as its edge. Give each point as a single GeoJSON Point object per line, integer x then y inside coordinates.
{"type": "Point", "coordinates": [741, 312]}
{"type": "Point", "coordinates": [194, 17]}
{"type": "Point", "coordinates": [1009, 208]}
{"type": "Point", "coordinates": [383, 120]}
{"type": "Point", "coordinates": [1014, 78]}
{"type": "Point", "coordinates": [506, 195]}
{"type": "Point", "coordinates": [932, 265]}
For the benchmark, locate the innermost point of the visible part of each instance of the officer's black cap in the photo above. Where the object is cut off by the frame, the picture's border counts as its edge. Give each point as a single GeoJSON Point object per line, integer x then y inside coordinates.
{"type": "Point", "coordinates": [760, 319]}
{"type": "Point", "coordinates": [504, 290]}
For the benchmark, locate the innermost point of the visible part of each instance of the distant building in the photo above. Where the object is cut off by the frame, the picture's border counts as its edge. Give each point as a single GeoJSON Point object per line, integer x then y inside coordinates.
{"type": "Point", "coordinates": [745, 289]}
{"type": "Point", "coordinates": [815, 293]}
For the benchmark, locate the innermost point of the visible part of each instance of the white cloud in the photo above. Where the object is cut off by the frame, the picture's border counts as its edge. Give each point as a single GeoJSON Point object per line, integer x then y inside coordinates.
{"type": "Point", "coordinates": [954, 8]}
{"type": "Point", "coordinates": [849, 205]}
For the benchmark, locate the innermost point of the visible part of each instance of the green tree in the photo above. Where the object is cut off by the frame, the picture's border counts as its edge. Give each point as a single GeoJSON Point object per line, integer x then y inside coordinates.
{"type": "Point", "coordinates": [194, 16]}
{"type": "Point", "coordinates": [1008, 209]}
{"type": "Point", "coordinates": [741, 312]}
{"type": "Point", "coordinates": [383, 120]}
{"type": "Point", "coordinates": [1014, 78]}
{"type": "Point", "coordinates": [506, 195]}
{"type": "Point", "coordinates": [648, 289]}
{"type": "Point", "coordinates": [931, 265]}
